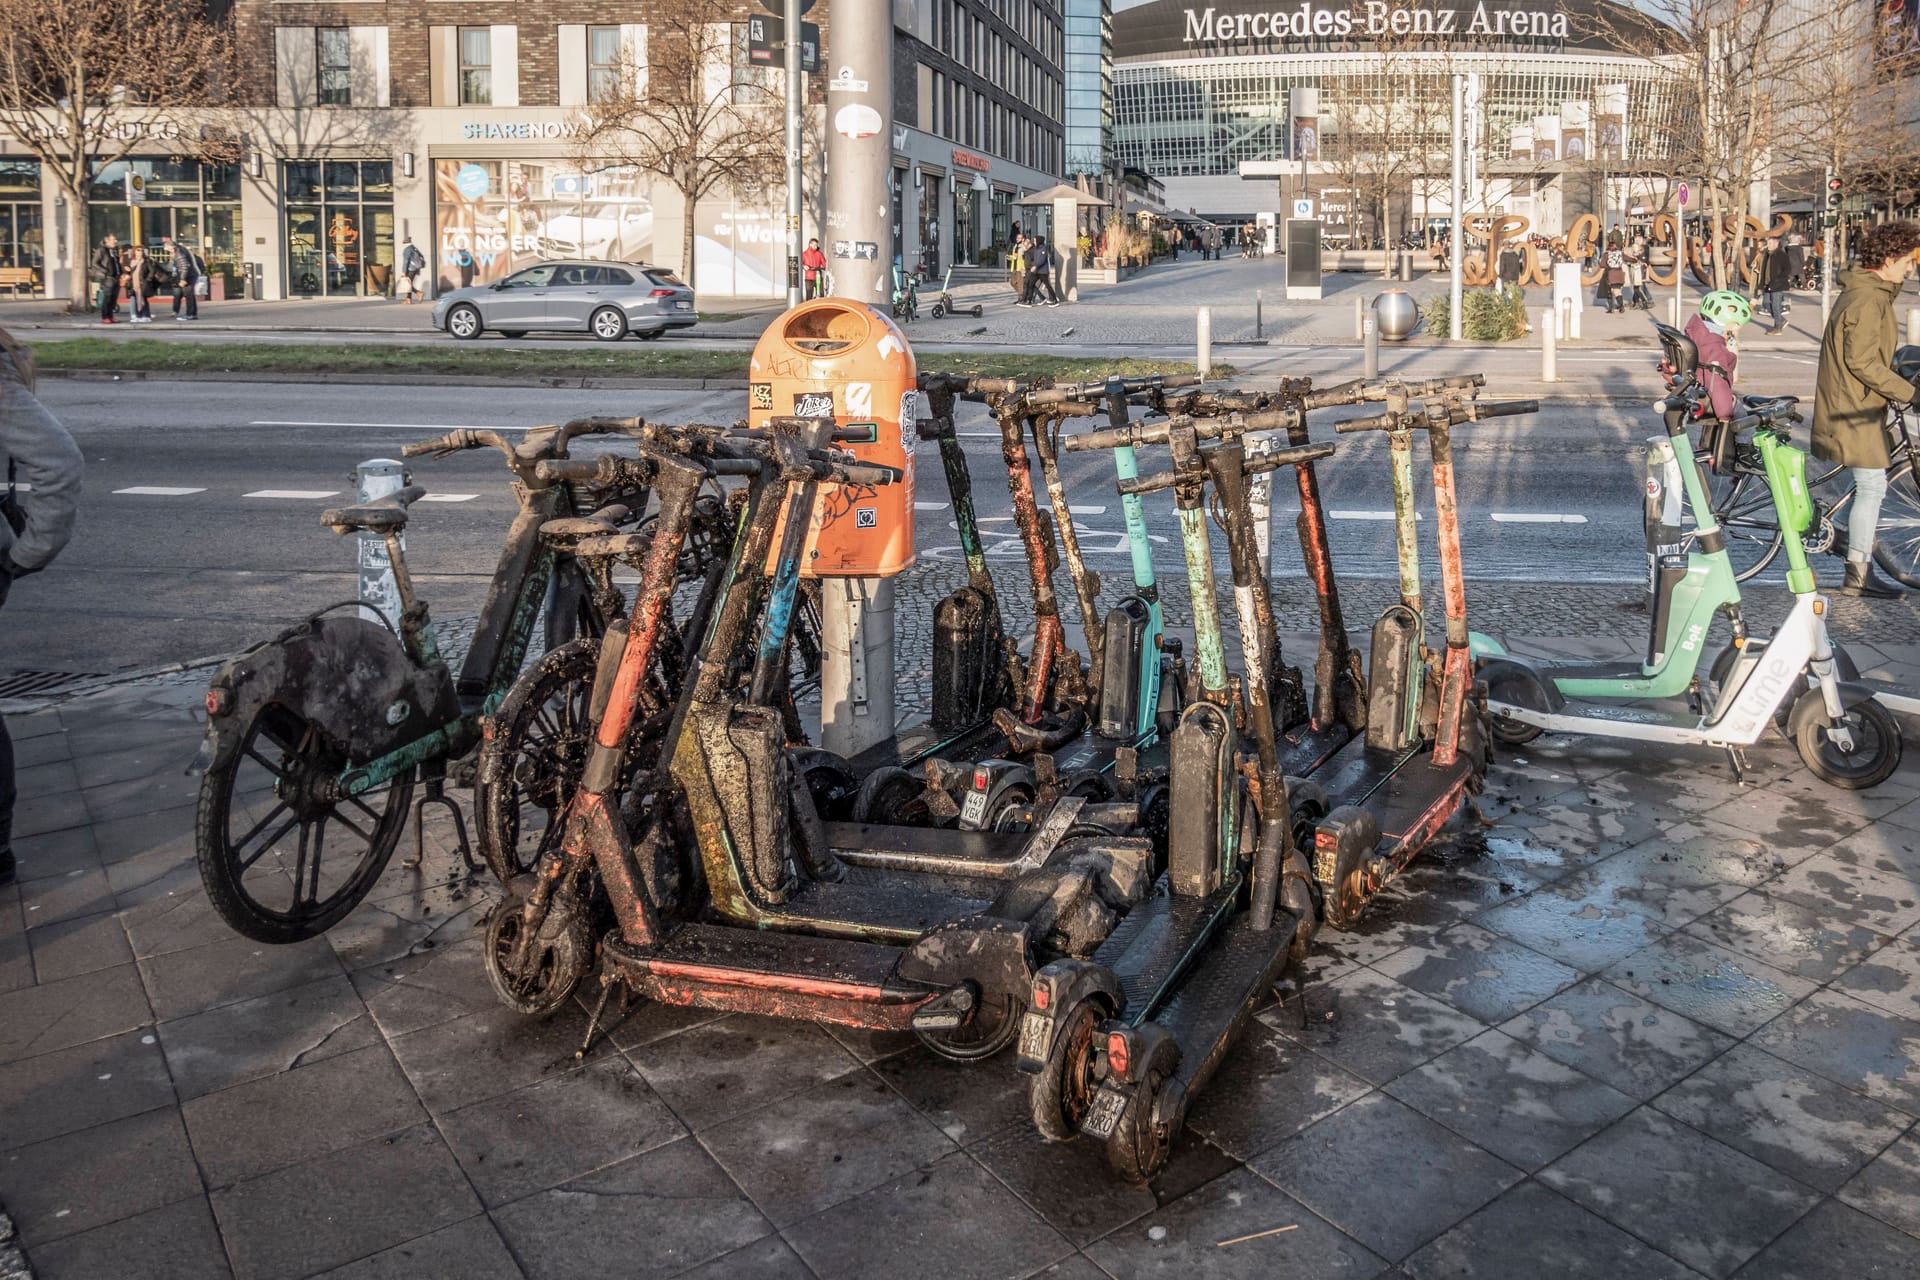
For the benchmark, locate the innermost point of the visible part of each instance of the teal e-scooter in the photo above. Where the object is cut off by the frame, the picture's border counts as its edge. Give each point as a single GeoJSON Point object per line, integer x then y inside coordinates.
{"type": "Point", "coordinates": [1845, 737]}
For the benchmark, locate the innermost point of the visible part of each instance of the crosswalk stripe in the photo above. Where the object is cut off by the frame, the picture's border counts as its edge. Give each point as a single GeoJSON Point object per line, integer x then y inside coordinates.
{"type": "Point", "coordinates": [450, 497]}
{"type": "Point", "coordinates": [309, 494]}
{"type": "Point", "coordinates": [158, 491]}
{"type": "Point", "coordinates": [1536, 517]}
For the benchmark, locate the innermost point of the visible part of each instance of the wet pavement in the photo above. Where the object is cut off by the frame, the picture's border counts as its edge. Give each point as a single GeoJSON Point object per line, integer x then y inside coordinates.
{"type": "Point", "coordinates": [1642, 1021]}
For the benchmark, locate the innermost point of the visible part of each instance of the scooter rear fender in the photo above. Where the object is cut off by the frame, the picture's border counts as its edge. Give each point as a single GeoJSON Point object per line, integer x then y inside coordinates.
{"type": "Point", "coordinates": [348, 677]}
{"type": "Point", "coordinates": [1517, 682]}
{"type": "Point", "coordinates": [1057, 988]}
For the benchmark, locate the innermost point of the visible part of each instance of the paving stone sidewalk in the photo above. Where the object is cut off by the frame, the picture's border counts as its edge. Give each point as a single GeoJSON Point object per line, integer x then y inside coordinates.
{"type": "Point", "coordinates": [1646, 1023]}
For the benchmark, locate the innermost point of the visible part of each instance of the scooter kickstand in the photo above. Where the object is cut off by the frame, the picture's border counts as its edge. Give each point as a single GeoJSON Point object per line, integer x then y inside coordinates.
{"type": "Point", "coordinates": [1738, 760]}
{"type": "Point", "coordinates": [607, 982]}
{"type": "Point", "coordinates": [436, 794]}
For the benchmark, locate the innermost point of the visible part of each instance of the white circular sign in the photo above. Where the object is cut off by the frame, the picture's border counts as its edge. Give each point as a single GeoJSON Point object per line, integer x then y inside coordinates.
{"type": "Point", "coordinates": [857, 121]}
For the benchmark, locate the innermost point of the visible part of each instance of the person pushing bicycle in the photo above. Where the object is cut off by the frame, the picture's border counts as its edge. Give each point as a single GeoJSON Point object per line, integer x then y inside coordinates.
{"type": "Point", "coordinates": [1856, 383]}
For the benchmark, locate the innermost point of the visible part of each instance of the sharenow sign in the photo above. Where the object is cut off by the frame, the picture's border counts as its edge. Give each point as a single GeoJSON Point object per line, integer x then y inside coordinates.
{"type": "Point", "coordinates": [1372, 19]}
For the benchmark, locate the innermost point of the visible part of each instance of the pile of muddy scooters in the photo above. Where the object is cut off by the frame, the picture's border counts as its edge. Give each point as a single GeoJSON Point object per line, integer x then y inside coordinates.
{"type": "Point", "coordinates": [1105, 852]}
{"type": "Point", "coordinates": [1100, 846]}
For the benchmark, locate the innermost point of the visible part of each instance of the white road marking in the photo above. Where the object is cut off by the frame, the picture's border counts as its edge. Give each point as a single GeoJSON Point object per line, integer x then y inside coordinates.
{"type": "Point", "coordinates": [389, 426]}
{"type": "Point", "coordinates": [929, 506]}
{"type": "Point", "coordinates": [1536, 517]}
{"type": "Point", "coordinates": [291, 493]}
{"type": "Point", "coordinates": [157, 491]}
{"type": "Point", "coordinates": [1087, 511]}
{"type": "Point", "coordinates": [449, 497]}
{"type": "Point", "coordinates": [1359, 515]}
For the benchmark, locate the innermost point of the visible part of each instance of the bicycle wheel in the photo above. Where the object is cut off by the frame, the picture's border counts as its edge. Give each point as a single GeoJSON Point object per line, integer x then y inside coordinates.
{"type": "Point", "coordinates": [266, 817]}
{"type": "Point", "coordinates": [532, 759]}
{"type": "Point", "coordinates": [1897, 544]}
{"type": "Point", "coordinates": [1743, 508]}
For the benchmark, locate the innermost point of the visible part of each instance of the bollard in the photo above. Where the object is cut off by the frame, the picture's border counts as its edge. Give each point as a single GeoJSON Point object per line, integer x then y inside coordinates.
{"type": "Point", "coordinates": [1573, 322]}
{"type": "Point", "coordinates": [1673, 312]}
{"type": "Point", "coordinates": [1372, 328]}
{"type": "Point", "coordinates": [1913, 326]}
{"type": "Point", "coordinates": [1259, 324]}
{"type": "Point", "coordinates": [1562, 321]}
{"type": "Point", "coordinates": [1203, 325]}
{"type": "Point", "coordinates": [1359, 318]}
{"type": "Point", "coordinates": [379, 595]}
{"type": "Point", "coordinates": [1549, 351]}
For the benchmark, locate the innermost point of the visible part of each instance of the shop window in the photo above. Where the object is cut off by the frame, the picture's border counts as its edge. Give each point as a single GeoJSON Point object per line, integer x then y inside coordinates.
{"type": "Point", "coordinates": [476, 66]}
{"type": "Point", "coordinates": [603, 63]}
{"type": "Point", "coordinates": [333, 53]}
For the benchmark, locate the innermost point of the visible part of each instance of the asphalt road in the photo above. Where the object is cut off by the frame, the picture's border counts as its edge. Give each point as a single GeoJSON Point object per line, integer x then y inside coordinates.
{"type": "Point", "coordinates": [199, 527]}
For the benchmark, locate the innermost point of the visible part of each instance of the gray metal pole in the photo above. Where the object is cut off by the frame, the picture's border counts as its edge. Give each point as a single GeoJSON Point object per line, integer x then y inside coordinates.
{"type": "Point", "coordinates": [857, 675]}
{"type": "Point", "coordinates": [796, 97]}
{"type": "Point", "coordinates": [1826, 253]}
{"type": "Point", "coordinates": [1456, 198]}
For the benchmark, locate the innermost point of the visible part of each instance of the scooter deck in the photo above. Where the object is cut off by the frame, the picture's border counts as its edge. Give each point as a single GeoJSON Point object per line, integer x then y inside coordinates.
{"type": "Point", "coordinates": [1159, 940]}
{"type": "Point", "coordinates": [1210, 1006]}
{"type": "Point", "coordinates": [868, 905]}
{"type": "Point", "coordinates": [1409, 802]}
{"type": "Point", "coordinates": [710, 966]}
{"type": "Point", "coordinates": [1305, 749]}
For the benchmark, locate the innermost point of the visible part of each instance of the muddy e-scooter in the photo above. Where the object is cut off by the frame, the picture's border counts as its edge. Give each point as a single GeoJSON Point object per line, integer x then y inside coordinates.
{"type": "Point", "coordinates": [1841, 732]}
{"type": "Point", "coordinates": [1118, 1045]}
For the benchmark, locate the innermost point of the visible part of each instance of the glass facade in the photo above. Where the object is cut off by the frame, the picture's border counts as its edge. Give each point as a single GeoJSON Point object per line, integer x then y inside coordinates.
{"type": "Point", "coordinates": [197, 204]}
{"type": "Point", "coordinates": [339, 226]}
{"type": "Point", "coordinates": [1205, 117]}
{"type": "Point", "coordinates": [493, 217]}
{"type": "Point", "coordinates": [22, 237]}
{"type": "Point", "coordinates": [1088, 64]}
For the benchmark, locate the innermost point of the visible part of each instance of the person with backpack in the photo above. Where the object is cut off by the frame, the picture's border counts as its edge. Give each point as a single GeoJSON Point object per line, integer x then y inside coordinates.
{"type": "Point", "coordinates": [186, 277]}
{"type": "Point", "coordinates": [1039, 269]}
{"type": "Point", "coordinates": [37, 509]}
{"type": "Point", "coordinates": [412, 263]}
{"type": "Point", "coordinates": [1854, 384]}
{"type": "Point", "coordinates": [106, 266]}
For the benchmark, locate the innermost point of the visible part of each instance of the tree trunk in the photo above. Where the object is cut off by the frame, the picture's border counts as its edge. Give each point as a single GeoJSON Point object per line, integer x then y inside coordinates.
{"type": "Point", "coordinates": [687, 254]}
{"type": "Point", "coordinates": [79, 254]}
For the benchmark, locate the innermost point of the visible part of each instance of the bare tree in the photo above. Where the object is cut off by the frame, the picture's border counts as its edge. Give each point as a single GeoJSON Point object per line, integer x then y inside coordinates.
{"type": "Point", "coordinates": [690, 110]}
{"type": "Point", "coordinates": [85, 82]}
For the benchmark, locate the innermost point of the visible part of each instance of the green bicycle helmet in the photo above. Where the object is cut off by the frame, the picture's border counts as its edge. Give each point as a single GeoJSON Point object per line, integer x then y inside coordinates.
{"type": "Point", "coordinates": [1726, 308]}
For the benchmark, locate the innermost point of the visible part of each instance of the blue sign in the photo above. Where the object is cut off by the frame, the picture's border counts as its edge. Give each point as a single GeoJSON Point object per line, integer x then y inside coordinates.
{"type": "Point", "coordinates": [572, 184]}
{"type": "Point", "coordinates": [473, 181]}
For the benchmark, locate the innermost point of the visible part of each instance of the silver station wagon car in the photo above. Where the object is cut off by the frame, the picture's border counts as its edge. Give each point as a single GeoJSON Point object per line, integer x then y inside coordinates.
{"type": "Point", "coordinates": [607, 299]}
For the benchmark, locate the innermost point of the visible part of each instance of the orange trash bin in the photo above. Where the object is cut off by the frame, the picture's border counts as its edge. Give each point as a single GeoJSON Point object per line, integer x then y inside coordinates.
{"type": "Point", "coordinates": [846, 360]}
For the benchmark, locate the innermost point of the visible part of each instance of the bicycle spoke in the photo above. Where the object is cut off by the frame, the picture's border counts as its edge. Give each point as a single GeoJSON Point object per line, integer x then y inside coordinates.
{"type": "Point", "coordinates": [277, 770]}
{"type": "Point", "coordinates": [365, 808]}
{"type": "Point", "coordinates": [266, 846]}
{"type": "Point", "coordinates": [341, 818]}
{"type": "Point", "coordinates": [300, 864]}
{"type": "Point", "coordinates": [312, 896]}
{"type": "Point", "coordinates": [272, 813]}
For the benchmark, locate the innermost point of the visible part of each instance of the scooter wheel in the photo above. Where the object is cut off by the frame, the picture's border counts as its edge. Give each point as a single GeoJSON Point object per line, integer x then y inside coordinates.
{"type": "Point", "coordinates": [555, 964]}
{"type": "Point", "coordinates": [1512, 733]}
{"type": "Point", "coordinates": [938, 310]}
{"type": "Point", "coordinates": [1875, 753]}
{"type": "Point", "coordinates": [1059, 1096]}
{"type": "Point", "coordinates": [992, 1028]}
{"type": "Point", "coordinates": [1138, 1150]}
{"type": "Point", "coordinates": [891, 797]}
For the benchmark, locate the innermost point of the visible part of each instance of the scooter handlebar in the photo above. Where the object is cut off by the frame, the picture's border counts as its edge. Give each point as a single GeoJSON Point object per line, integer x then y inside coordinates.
{"type": "Point", "coordinates": [1299, 455]}
{"type": "Point", "coordinates": [866, 473]}
{"type": "Point", "coordinates": [1097, 387]}
{"type": "Point", "coordinates": [1435, 414]}
{"type": "Point", "coordinates": [1360, 391]}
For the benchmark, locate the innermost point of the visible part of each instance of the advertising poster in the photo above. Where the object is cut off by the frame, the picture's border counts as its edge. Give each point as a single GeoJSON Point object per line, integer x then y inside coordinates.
{"type": "Point", "coordinates": [1573, 131]}
{"type": "Point", "coordinates": [1546, 138]}
{"type": "Point", "coordinates": [739, 250]}
{"type": "Point", "coordinates": [493, 217]}
{"type": "Point", "coordinates": [1610, 122]}
{"type": "Point", "coordinates": [1521, 147]}
{"type": "Point", "coordinates": [1306, 138]}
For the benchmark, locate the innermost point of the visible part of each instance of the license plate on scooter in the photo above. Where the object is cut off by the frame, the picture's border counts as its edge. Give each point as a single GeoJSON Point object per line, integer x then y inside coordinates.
{"type": "Point", "coordinates": [973, 811]}
{"type": "Point", "coordinates": [1104, 1114]}
{"type": "Point", "coordinates": [1033, 1036]}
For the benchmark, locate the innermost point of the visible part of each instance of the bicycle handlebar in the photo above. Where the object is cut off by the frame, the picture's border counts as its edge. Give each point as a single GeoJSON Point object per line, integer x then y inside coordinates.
{"type": "Point", "coordinates": [1435, 415]}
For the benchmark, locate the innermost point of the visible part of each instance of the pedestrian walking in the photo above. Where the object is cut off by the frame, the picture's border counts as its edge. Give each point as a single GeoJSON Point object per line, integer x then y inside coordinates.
{"type": "Point", "coordinates": [141, 279]}
{"type": "Point", "coordinates": [106, 269]}
{"type": "Point", "coordinates": [1854, 385]}
{"type": "Point", "coordinates": [1509, 264]}
{"type": "Point", "coordinates": [815, 264]}
{"type": "Point", "coordinates": [1774, 276]}
{"type": "Point", "coordinates": [412, 264]}
{"type": "Point", "coordinates": [1797, 261]}
{"type": "Point", "coordinates": [1039, 267]}
{"type": "Point", "coordinates": [186, 278]}
{"type": "Point", "coordinates": [37, 509]}
{"type": "Point", "coordinates": [1440, 253]}
{"type": "Point", "coordinates": [1613, 276]}
{"type": "Point", "coordinates": [1639, 297]}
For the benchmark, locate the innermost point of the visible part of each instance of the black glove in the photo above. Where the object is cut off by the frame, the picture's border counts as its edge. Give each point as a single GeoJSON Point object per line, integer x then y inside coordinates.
{"type": "Point", "coordinates": [6, 578]}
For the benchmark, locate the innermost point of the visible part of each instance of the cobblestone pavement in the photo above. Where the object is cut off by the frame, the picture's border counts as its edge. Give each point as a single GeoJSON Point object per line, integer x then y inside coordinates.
{"type": "Point", "coordinates": [1645, 1022]}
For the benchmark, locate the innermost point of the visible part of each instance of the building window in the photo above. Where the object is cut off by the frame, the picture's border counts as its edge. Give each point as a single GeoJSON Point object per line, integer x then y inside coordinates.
{"type": "Point", "coordinates": [603, 63]}
{"type": "Point", "coordinates": [333, 56]}
{"type": "Point", "coordinates": [476, 66]}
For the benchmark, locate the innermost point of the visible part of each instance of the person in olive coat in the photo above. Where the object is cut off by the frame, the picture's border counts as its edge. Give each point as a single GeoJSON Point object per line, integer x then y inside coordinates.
{"type": "Point", "coordinates": [1856, 383]}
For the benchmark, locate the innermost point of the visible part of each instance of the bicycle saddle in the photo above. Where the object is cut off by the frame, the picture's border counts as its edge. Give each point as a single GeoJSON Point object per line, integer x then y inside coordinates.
{"type": "Point", "coordinates": [1759, 404]}
{"type": "Point", "coordinates": [383, 516]}
{"type": "Point", "coordinates": [569, 529]}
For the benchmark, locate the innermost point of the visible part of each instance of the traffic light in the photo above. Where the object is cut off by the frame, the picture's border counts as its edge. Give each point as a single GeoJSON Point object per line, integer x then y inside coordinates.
{"type": "Point", "coordinates": [1834, 194]}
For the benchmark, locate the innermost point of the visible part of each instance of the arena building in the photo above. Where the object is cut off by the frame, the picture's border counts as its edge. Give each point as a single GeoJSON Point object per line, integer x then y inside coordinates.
{"type": "Point", "coordinates": [1247, 107]}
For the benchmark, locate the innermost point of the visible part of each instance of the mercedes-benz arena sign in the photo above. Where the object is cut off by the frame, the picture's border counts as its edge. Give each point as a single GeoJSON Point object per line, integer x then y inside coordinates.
{"type": "Point", "coordinates": [1171, 29]}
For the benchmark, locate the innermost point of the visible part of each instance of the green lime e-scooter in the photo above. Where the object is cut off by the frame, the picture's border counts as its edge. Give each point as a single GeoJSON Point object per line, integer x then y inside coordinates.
{"type": "Point", "coordinates": [1845, 737]}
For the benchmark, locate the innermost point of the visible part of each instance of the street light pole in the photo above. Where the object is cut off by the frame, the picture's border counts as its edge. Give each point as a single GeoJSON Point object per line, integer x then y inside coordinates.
{"type": "Point", "coordinates": [1455, 199]}
{"type": "Point", "coordinates": [796, 96]}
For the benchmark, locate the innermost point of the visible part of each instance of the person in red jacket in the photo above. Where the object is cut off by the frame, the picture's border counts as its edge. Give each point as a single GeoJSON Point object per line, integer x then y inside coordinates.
{"type": "Point", "coordinates": [816, 264]}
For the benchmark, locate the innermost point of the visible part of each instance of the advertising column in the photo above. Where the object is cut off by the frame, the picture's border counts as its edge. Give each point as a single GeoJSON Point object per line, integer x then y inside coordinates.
{"type": "Point", "coordinates": [857, 677]}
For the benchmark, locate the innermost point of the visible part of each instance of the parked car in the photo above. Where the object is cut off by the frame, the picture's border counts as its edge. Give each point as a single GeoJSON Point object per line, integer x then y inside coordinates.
{"type": "Point", "coordinates": [607, 299]}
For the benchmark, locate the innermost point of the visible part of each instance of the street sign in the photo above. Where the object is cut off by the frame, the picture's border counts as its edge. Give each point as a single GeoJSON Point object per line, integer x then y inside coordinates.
{"type": "Point", "coordinates": [767, 43]}
{"type": "Point", "coordinates": [1680, 196]}
{"type": "Point", "coordinates": [778, 8]}
{"type": "Point", "coordinates": [1303, 208]}
{"type": "Point", "coordinates": [136, 189]}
